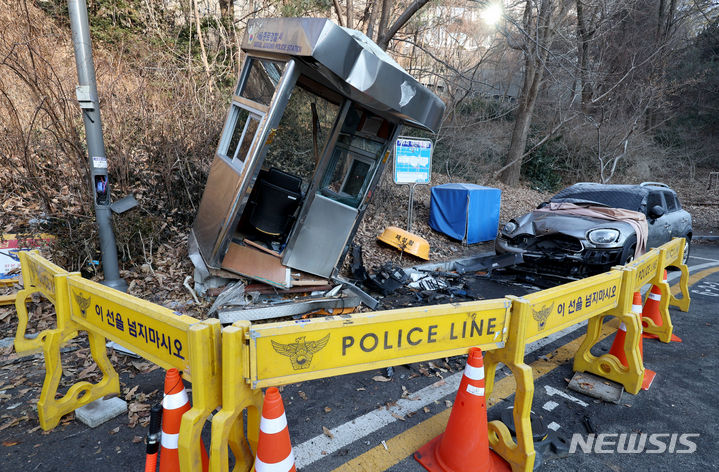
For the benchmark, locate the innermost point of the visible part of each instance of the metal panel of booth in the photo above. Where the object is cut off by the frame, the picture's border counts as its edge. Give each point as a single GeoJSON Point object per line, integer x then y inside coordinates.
{"type": "Point", "coordinates": [320, 241]}
{"type": "Point", "coordinates": [222, 183]}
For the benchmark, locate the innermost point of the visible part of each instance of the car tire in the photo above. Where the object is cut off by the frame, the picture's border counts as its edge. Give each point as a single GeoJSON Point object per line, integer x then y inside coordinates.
{"type": "Point", "coordinates": [630, 247]}
{"type": "Point", "coordinates": [687, 248]}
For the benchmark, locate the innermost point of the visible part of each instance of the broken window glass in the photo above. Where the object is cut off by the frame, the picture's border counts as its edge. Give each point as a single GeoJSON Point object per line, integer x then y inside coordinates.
{"type": "Point", "coordinates": [262, 79]}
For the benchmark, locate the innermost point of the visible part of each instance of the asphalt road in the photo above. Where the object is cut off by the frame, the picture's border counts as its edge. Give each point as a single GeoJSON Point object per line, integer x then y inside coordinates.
{"type": "Point", "coordinates": [374, 428]}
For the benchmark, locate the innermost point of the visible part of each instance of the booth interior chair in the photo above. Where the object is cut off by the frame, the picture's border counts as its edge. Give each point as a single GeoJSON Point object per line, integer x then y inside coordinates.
{"type": "Point", "coordinates": [274, 202]}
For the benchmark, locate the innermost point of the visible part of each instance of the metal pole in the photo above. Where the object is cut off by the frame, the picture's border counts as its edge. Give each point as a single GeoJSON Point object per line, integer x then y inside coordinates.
{"type": "Point", "coordinates": [89, 103]}
{"type": "Point", "coordinates": [409, 207]}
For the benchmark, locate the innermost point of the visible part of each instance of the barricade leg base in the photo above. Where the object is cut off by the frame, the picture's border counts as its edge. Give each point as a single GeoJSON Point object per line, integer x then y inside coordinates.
{"type": "Point", "coordinates": [51, 409]}
{"type": "Point", "coordinates": [100, 411]}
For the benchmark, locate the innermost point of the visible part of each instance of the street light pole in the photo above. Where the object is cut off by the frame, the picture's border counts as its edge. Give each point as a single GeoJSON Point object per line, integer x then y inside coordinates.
{"type": "Point", "coordinates": [89, 103]}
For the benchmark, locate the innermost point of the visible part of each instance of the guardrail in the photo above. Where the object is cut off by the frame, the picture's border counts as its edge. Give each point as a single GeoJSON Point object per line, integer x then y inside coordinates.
{"type": "Point", "coordinates": [229, 367]}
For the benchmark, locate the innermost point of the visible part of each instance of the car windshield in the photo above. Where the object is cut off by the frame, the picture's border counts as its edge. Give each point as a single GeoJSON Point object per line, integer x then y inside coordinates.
{"type": "Point", "coordinates": [611, 197]}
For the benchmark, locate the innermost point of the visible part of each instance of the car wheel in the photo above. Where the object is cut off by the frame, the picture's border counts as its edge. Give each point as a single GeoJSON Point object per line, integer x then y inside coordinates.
{"type": "Point", "coordinates": [687, 247]}
{"type": "Point", "coordinates": [630, 247]}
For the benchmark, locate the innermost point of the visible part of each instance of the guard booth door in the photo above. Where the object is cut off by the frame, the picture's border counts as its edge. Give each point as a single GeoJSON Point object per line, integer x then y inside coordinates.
{"type": "Point", "coordinates": [344, 177]}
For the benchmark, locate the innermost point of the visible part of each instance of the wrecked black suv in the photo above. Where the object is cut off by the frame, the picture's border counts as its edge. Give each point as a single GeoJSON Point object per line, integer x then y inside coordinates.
{"type": "Point", "coordinates": [564, 236]}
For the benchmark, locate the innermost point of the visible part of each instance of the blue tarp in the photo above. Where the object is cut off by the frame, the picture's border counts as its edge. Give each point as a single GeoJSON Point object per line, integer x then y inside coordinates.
{"type": "Point", "coordinates": [465, 211]}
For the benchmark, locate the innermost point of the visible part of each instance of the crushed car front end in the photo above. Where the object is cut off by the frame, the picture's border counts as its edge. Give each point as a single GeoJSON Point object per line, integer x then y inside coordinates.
{"type": "Point", "coordinates": [565, 245]}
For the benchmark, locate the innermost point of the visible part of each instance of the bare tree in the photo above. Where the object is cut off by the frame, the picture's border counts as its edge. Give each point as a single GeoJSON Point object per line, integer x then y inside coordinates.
{"type": "Point", "coordinates": [534, 36]}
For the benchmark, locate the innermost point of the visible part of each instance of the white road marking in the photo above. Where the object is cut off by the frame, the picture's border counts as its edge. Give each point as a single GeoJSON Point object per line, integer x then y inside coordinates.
{"type": "Point", "coordinates": [551, 391]}
{"type": "Point", "coordinates": [550, 405]}
{"type": "Point", "coordinates": [553, 426]}
{"type": "Point", "coordinates": [703, 258]}
{"type": "Point", "coordinates": [311, 450]}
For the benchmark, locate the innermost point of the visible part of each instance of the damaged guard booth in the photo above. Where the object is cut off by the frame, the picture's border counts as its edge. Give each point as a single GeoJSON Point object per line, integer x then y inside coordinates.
{"type": "Point", "coordinates": [312, 121]}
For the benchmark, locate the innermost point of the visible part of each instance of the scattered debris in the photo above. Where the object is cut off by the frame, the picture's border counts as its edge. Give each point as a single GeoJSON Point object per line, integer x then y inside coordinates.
{"type": "Point", "coordinates": [380, 378]}
{"type": "Point", "coordinates": [596, 387]}
{"type": "Point", "coordinates": [327, 432]}
{"type": "Point", "coordinates": [388, 278]}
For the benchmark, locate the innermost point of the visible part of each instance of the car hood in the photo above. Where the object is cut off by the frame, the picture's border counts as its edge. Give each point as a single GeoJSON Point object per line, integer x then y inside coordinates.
{"type": "Point", "coordinates": [540, 223]}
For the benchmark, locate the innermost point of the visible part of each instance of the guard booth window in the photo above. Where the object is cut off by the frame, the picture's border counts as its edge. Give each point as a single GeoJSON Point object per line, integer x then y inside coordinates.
{"type": "Point", "coordinates": [252, 98]}
{"type": "Point", "coordinates": [262, 79]}
{"type": "Point", "coordinates": [239, 133]}
{"type": "Point", "coordinates": [354, 161]}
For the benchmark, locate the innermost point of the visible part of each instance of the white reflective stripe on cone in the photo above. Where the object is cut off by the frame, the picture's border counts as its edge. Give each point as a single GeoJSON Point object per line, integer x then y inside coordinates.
{"type": "Point", "coordinates": [273, 426]}
{"type": "Point", "coordinates": [283, 466]}
{"type": "Point", "coordinates": [474, 373]}
{"type": "Point", "coordinates": [479, 391]}
{"type": "Point", "coordinates": [175, 400]}
{"type": "Point", "coordinates": [623, 327]}
{"type": "Point", "coordinates": [636, 308]}
{"type": "Point", "coordinates": [170, 441]}
{"type": "Point", "coordinates": [655, 296]}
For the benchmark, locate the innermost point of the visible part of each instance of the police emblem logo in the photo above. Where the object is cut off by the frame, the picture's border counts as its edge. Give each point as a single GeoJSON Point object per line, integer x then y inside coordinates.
{"type": "Point", "coordinates": [541, 315]}
{"type": "Point", "coordinates": [82, 303]}
{"type": "Point", "coordinates": [301, 351]}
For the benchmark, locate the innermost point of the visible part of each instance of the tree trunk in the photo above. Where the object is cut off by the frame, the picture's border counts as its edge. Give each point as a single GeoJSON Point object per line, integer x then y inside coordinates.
{"type": "Point", "coordinates": [374, 6]}
{"type": "Point", "coordinates": [530, 90]}
{"type": "Point", "coordinates": [383, 21]}
{"type": "Point", "coordinates": [535, 58]}
{"type": "Point", "coordinates": [583, 38]}
{"type": "Point", "coordinates": [227, 8]}
{"type": "Point", "coordinates": [350, 14]}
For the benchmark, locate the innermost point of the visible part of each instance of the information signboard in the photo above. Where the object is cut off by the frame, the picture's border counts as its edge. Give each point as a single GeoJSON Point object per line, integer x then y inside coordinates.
{"type": "Point", "coordinates": [412, 160]}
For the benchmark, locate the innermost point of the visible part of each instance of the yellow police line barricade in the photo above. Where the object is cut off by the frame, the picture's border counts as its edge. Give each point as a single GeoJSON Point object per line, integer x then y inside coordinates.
{"type": "Point", "coordinates": [608, 365]}
{"type": "Point", "coordinates": [257, 356]}
{"type": "Point", "coordinates": [8, 299]}
{"type": "Point", "coordinates": [40, 276]}
{"type": "Point", "coordinates": [534, 317]}
{"type": "Point", "coordinates": [227, 426]}
{"type": "Point", "coordinates": [163, 337]}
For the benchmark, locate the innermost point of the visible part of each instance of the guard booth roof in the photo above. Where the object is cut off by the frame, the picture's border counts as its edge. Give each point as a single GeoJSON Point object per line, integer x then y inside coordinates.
{"type": "Point", "coordinates": [350, 63]}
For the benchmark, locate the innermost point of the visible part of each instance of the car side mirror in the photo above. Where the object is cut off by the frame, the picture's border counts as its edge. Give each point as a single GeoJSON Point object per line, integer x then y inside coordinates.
{"type": "Point", "coordinates": [656, 211]}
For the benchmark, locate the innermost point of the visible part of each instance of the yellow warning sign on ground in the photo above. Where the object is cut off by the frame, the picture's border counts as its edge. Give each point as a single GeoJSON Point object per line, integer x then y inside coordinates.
{"type": "Point", "coordinates": [560, 307]}
{"type": "Point", "coordinates": [307, 349]}
{"type": "Point", "coordinates": [156, 333]}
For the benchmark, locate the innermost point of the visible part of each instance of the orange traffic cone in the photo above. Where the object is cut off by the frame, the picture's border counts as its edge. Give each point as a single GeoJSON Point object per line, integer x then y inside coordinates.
{"type": "Point", "coordinates": [174, 404]}
{"type": "Point", "coordinates": [274, 449]}
{"type": "Point", "coordinates": [651, 311]}
{"type": "Point", "coordinates": [617, 348]}
{"type": "Point", "coordinates": [464, 445]}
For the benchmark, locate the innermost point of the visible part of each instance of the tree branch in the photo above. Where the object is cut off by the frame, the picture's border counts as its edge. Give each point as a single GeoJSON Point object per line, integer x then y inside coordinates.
{"type": "Point", "coordinates": [385, 37]}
